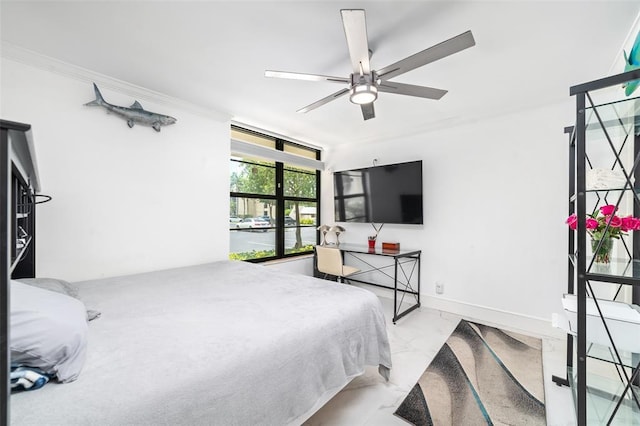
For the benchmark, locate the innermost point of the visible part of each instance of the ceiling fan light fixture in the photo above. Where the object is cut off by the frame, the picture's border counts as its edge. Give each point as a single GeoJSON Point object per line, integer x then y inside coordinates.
{"type": "Point", "coordinates": [363, 94]}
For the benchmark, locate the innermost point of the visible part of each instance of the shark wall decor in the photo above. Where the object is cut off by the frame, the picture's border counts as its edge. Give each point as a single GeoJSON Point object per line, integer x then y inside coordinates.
{"type": "Point", "coordinates": [133, 114]}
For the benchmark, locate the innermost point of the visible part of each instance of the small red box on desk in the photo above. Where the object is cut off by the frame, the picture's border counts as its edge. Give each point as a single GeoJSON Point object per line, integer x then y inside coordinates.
{"type": "Point", "coordinates": [390, 246]}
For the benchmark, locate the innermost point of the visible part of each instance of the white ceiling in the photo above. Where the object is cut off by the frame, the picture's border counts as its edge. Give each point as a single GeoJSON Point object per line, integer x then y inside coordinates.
{"type": "Point", "coordinates": [214, 54]}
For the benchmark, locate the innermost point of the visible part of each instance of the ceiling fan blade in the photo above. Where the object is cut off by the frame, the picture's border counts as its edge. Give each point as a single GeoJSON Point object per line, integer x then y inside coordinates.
{"type": "Point", "coordinates": [411, 90]}
{"type": "Point", "coordinates": [325, 100]}
{"type": "Point", "coordinates": [355, 29]}
{"type": "Point", "coordinates": [368, 111]}
{"type": "Point", "coordinates": [302, 76]}
{"type": "Point", "coordinates": [433, 53]}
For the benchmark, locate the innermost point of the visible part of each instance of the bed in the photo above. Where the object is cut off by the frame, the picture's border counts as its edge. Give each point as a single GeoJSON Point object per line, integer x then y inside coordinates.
{"type": "Point", "coordinates": [224, 343]}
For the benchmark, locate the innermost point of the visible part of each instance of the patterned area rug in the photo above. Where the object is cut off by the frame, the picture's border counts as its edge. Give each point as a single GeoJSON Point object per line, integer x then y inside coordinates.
{"type": "Point", "coordinates": [482, 375]}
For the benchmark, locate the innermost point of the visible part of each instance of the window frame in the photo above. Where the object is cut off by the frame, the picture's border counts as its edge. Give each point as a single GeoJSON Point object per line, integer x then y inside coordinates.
{"type": "Point", "coordinates": [280, 198]}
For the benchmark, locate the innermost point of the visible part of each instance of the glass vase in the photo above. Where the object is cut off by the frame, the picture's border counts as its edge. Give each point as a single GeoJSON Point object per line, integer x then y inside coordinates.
{"type": "Point", "coordinates": [602, 254]}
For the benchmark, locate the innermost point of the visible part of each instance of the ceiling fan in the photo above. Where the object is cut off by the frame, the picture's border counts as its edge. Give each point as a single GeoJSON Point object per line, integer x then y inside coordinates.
{"type": "Point", "coordinates": [365, 83]}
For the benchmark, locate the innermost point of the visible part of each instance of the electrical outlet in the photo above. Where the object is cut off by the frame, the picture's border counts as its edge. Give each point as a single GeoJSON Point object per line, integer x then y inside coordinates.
{"type": "Point", "coordinates": [439, 287]}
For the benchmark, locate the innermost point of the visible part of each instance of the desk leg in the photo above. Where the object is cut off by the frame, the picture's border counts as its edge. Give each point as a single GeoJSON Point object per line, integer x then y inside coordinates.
{"type": "Point", "coordinates": [398, 265]}
{"type": "Point", "coordinates": [396, 315]}
{"type": "Point", "coordinates": [419, 277]}
{"type": "Point", "coordinates": [395, 290]}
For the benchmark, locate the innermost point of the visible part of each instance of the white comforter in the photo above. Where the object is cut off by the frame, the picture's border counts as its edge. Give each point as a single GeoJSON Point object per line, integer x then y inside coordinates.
{"type": "Point", "coordinates": [226, 343]}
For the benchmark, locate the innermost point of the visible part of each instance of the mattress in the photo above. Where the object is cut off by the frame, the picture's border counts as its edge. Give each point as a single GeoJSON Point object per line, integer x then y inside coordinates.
{"type": "Point", "coordinates": [225, 343]}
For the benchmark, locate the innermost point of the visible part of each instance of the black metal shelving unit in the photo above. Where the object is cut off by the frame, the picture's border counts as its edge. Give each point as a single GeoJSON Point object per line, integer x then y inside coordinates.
{"type": "Point", "coordinates": [18, 185]}
{"type": "Point", "coordinates": [602, 372]}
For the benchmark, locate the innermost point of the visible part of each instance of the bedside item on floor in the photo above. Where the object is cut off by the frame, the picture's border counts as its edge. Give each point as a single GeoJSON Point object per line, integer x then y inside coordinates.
{"type": "Point", "coordinates": [390, 246]}
{"type": "Point", "coordinates": [507, 383]}
{"type": "Point", "coordinates": [28, 378]}
{"type": "Point", "coordinates": [338, 230]}
{"type": "Point", "coordinates": [324, 229]}
{"type": "Point", "coordinates": [330, 263]}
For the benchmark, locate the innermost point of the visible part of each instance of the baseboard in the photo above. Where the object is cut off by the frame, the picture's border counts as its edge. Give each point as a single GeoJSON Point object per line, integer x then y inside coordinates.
{"type": "Point", "coordinates": [495, 317]}
{"type": "Point", "coordinates": [505, 320]}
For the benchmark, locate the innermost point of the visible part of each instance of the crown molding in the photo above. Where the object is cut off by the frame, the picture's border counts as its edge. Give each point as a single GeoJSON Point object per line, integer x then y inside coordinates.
{"type": "Point", "coordinates": [28, 57]}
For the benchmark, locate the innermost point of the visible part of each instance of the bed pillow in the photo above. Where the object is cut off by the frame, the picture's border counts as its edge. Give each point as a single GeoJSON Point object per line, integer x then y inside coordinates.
{"type": "Point", "coordinates": [48, 331]}
{"type": "Point", "coordinates": [59, 286]}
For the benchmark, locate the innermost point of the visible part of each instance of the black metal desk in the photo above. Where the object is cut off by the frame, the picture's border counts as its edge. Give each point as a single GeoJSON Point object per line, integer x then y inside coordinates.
{"type": "Point", "coordinates": [405, 280]}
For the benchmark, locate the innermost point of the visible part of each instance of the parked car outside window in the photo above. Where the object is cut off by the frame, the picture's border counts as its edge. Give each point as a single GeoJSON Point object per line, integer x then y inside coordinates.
{"type": "Point", "coordinates": [266, 219]}
{"type": "Point", "coordinates": [253, 223]}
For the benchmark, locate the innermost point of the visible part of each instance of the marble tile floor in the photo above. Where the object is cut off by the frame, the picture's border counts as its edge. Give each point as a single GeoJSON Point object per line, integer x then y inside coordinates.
{"type": "Point", "coordinates": [415, 340]}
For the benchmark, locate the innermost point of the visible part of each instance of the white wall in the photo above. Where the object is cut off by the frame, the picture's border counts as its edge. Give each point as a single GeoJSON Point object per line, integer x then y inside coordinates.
{"type": "Point", "coordinates": [133, 200]}
{"type": "Point", "coordinates": [495, 201]}
{"type": "Point", "coordinates": [124, 200]}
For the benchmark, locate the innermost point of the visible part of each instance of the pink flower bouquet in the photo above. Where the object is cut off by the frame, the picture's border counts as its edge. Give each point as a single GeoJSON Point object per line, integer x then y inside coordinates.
{"type": "Point", "coordinates": [604, 226]}
{"type": "Point", "coordinates": [597, 223]}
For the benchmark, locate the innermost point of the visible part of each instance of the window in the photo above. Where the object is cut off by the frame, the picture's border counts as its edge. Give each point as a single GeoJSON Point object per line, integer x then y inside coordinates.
{"type": "Point", "coordinates": [274, 196]}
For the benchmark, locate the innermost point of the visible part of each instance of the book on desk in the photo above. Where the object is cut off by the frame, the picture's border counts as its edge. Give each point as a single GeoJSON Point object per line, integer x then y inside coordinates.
{"type": "Point", "coordinates": [391, 247]}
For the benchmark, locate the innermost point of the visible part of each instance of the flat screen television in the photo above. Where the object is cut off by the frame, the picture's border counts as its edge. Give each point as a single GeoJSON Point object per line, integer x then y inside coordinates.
{"type": "Point", "coordinates": [380, 194]}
